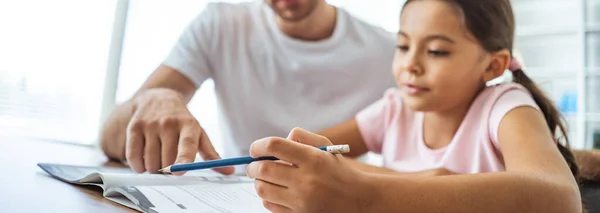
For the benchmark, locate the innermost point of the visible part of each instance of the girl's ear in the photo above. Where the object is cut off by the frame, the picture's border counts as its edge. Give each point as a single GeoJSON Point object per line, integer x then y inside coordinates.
{"type": "Point", "coordinates": [498, 64]}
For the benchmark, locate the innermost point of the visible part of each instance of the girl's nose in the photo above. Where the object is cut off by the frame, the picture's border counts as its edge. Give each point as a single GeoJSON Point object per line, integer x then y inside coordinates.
{"type": "Point", "coordinates": [412, 65]}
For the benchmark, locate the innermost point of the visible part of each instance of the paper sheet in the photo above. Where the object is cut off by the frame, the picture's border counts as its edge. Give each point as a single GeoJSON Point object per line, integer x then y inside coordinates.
{"type": "Point", "coordinates": [117, 179]}
{"type": "Point", "coordinates": [75, 173]}
{"type": "Point", "coordinates": [209, 198]}
{"type": "Point", "coordinates": [199, 192]}
{"type": "Point", "coordinates": [114, 177]}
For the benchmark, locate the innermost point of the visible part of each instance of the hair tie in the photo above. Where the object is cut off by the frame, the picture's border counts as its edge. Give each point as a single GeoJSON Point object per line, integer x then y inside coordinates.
{"type": "Point", "coordinates": [514, 65]}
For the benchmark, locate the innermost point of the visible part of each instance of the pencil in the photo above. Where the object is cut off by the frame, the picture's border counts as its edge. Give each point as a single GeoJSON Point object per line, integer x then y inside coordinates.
{"type": "Point", "coordinates": [336, 149]}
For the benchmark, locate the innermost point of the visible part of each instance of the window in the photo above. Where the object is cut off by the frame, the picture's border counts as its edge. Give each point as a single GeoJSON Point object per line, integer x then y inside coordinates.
{"type": "Point", "coordinates": [560, 52]}
{"type": "Point", "coordinates": [53, 60]}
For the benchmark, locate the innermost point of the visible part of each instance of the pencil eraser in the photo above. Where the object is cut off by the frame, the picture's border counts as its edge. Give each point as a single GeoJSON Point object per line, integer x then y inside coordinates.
{"type": "Point", "coordinates": [345, 148]}
{"type": "Point", "coordinates": [338, 149]}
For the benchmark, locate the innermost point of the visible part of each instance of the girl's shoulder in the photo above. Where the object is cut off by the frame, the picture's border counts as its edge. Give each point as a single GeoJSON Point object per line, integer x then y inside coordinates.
{"type": "Point", "coordinates": [505, 97]}
{"type": "Point", "coordinates": [495, 102]}
{"type": "Point", "coordinates": [498, 90]}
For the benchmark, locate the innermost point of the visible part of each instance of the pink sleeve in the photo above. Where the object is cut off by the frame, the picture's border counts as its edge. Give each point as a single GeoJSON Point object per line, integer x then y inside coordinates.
{"type": "Point", "coordinates": [505, 103]}
{"type": "Point", "coordinates": [373, 121]}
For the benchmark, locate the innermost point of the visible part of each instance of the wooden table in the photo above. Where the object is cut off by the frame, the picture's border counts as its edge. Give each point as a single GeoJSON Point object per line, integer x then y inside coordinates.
{"type": "Point", "coordinates": [24, 187]}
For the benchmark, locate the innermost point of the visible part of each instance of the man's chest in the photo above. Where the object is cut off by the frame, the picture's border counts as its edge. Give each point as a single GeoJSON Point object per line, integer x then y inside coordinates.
{"type": "Point", "coordinates": [284, 73]}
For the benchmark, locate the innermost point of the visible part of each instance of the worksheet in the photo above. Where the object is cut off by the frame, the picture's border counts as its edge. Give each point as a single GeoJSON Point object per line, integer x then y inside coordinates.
{"type": "Point", "coordinates": [199, 192]}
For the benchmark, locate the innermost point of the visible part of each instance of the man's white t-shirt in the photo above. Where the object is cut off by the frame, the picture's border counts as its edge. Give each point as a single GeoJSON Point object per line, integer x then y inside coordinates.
{"type": "Point", "coordinates": [267, 83]}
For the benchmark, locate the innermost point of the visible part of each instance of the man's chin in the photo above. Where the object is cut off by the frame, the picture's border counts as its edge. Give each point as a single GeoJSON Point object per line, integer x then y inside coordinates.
{"type": "Point", "coordinates": [291, 16]}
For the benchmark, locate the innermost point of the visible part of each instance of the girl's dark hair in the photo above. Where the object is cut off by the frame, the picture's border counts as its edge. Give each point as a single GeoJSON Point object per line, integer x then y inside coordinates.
{"type": "Point", "coordinates": [492, 23]}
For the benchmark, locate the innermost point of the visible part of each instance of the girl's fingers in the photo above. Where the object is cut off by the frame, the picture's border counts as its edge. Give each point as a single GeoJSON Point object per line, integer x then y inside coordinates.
{"type": "Point", "coordinates": [286, 150]}
{"type": "Point", "coordinates": [305, 137]}
{"type": "Point", "coordinates": [273, 193]}
{"type": "Point", "coordinates": [276, 208]}
{"type": "Point", "coordinates": [274, 172]}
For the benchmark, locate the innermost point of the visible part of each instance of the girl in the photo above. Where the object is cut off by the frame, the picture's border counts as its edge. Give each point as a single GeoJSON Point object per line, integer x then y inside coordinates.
{"type": "Point", "coordinates": [502, 140]}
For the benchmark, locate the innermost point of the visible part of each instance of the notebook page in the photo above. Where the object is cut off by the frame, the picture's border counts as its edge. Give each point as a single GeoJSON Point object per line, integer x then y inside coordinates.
{"type": "Point", "coordinates": [119, 179]}
{"type": "Point", "coordinates": [79, 174]}
{"type": "Point", "coordinates": [115, 177]}
{"type": "Point", "coordinates": [209, 198]}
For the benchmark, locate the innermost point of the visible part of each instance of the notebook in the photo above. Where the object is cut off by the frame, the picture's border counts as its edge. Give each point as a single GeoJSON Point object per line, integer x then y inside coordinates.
{"type": "Point", "coordinates": [204, 191]}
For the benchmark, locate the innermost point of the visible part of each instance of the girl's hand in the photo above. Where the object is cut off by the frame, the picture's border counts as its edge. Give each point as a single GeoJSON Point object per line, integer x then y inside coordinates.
{"type": "Point", "coordinates": [307, 179]}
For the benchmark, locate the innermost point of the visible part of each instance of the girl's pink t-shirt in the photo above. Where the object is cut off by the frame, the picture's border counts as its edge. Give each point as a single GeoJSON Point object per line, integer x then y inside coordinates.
{"type": "Point", "coordinates": [396, 132]}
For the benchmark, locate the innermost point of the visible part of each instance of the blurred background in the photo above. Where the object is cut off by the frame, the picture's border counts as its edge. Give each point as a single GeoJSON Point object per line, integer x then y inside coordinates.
{"type": "Point", "coordinates": [65, 63]}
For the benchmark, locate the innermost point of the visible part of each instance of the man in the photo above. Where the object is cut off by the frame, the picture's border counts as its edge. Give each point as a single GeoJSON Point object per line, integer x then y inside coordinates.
{"type": "Point", "coordinates": [268, 60]}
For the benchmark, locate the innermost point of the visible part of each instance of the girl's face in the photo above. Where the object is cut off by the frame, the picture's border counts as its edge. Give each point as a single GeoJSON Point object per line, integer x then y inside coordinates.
{"type": "Point", "coordinates": [438, 65]}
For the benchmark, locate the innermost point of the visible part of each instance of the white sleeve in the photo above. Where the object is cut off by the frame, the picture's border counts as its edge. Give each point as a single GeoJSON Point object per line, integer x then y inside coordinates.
{"type": "Point", "coordinates": [191, 55]}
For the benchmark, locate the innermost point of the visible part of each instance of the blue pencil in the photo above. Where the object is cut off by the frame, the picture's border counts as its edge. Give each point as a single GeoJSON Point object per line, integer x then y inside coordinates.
{"type": "Point", "coordinates": [336, 149]}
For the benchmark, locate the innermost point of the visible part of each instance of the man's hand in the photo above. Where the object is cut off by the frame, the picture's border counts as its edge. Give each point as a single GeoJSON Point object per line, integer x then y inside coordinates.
{"type": "Point", "coordinates": [162, 131]}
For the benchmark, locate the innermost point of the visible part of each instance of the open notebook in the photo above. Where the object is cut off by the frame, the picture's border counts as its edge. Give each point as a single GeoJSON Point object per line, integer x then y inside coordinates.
{"type": "Point", "coordinates": [205, 191]}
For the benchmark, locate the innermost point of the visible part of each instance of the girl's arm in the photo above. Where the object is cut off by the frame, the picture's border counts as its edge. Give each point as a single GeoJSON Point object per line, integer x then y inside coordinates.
{"type": "Point", "coordinates": [385, 171]}
{"type": "Point", "coordinates": [537, 178]}
{"type": "Point", "coordinates": [347, 133]}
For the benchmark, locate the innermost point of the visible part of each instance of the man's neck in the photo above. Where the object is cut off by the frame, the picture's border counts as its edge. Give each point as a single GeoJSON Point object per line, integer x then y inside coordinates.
{"type": "Point", "coordinates": [319, 25]}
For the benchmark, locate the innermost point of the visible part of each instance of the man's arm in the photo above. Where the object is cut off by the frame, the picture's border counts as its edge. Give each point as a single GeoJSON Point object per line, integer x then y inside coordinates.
{"type": "Point", "coordinates": [155, 129]}
{"type": "Point", "coordinates": [113, 135]}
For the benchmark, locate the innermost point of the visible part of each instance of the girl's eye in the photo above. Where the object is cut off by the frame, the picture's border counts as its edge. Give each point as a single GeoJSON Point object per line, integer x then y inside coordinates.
{"type": "Point", "coordinates": [402, 48]}
{"type": "Point", "coordinates": [438, 53]}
